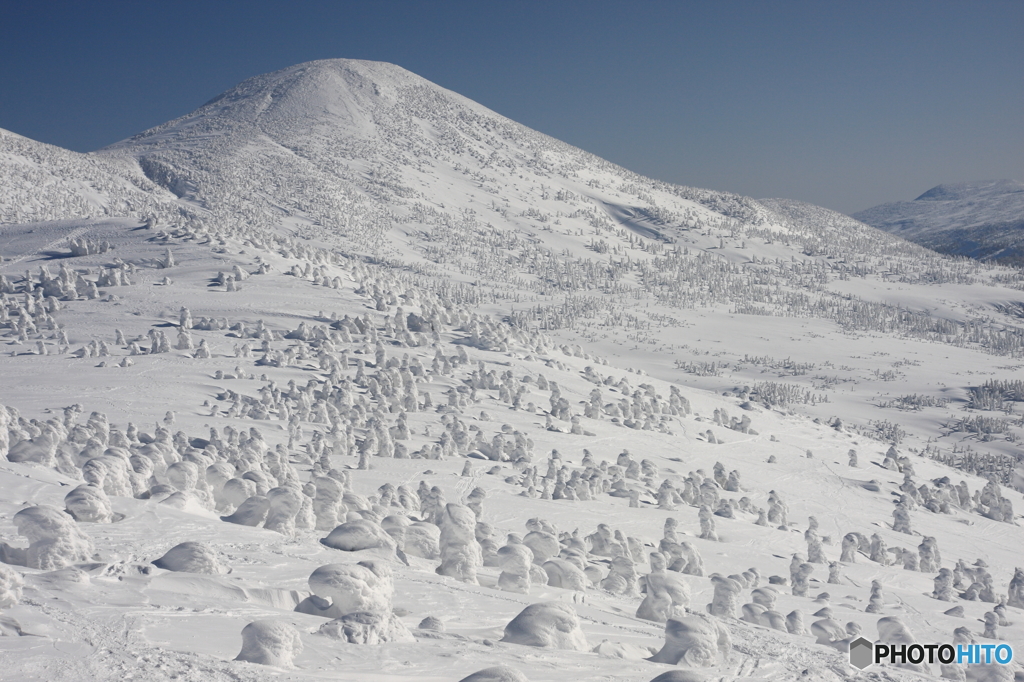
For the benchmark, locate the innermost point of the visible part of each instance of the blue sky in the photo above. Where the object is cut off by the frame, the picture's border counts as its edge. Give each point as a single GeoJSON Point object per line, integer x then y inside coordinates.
{"type": "Point", "coordinates": [845, 105]}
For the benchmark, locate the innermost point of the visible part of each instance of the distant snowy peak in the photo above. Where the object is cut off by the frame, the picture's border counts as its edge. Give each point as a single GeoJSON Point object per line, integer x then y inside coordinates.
{"type": "Point", "coordinates": [987, 189]}
{"type": "Point", "coordinates": [318, 105]}
{"type": "Point", "coordinates": [376, 160]}
{"type": "Point", "coordinates": [354, 147]}
{"type": "Point", "coordinates": [982, 219]}
{"type": "Point", "coordinates": [338, 93]}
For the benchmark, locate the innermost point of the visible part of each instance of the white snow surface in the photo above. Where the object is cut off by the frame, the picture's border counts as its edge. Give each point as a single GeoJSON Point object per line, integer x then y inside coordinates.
{"type": "Point", "coordinates": [557, 310]}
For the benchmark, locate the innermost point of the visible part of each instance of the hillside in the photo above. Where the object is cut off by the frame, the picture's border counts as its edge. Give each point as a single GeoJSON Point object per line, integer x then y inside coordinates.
{"type": "Point", "coordinates": [42, 182]}
{"type": "Point", "coordinates": [361, 372]}
{"type": "Point", "coordinates": [983, 220]}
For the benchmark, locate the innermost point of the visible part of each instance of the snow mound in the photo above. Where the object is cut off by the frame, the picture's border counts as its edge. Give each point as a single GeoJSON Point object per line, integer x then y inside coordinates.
{"type": "Point", "coordinates": [348, 588]}
{"type": "Point", "coordinates": [359, 534]}
{"type": "Point", "coordinates": [680, 676]}
{"type": "Point", "coordinates": [191, 557]}
{"type": "Point", "coordinates": [252, 512]}
{"type": "Point", "coordinates": [499, 673]}
{"type": "Point", "coordinates": [357, 597]}
{"type": "Point", "coordinates": [549, 625]}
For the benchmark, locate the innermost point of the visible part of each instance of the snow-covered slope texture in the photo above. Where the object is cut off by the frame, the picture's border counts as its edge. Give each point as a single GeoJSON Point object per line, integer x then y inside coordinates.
{"type": "Point", "coordinates": [372, 159]}
{"type": "Point", "coordinates": [982, 220]}
{"type": "Point", "coordinates": [383, 386]}
{"type": "Point", "coordinates": [356, 148]}
{"type": "Point", "coordinates": [41, 182]}
{"type": "Point", "coordinates": [369, 160]}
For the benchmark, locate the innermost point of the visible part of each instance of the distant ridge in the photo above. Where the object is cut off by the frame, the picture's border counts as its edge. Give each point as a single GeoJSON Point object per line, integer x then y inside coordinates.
{"type": "Point", "coordinates": [983, 220]}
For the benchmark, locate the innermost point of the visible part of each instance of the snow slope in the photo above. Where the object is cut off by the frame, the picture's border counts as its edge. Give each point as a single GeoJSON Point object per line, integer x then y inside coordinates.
{"type": "Point", "coordinates": [982, 220]}
{"type": "Point", "coordinates": [397, 295]}
{"type": "Point", "coordinates": [43, 182]}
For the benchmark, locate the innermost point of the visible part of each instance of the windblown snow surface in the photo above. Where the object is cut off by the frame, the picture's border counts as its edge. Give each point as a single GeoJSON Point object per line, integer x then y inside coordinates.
{"type": "Point", "coordinates": [346, 377]}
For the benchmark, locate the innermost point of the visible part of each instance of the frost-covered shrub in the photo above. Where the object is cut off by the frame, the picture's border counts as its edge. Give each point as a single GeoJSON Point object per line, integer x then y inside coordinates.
{"type": "Point", "coordinates": [875, 601]}
{"type": "Point", "coordinates": [417, 538]}
{"type": "Point", "coordinates": [765, 596]}
{"type": "Point", "coordinates": [41, 449]}
{"type": "Point", "coordinates": [327, 503]}
{"type": "Point", "coordinates": [5, 438]}
{"type": "Point", "coordinates": [928, 550]}
{"type": "Point", "coordinates": [111, 473]}
{"type": "Point", "coordinates": [697, 640]}
{"type": "Point", "coordinates": [565, 574]}
{"type": "Point", "coordinates": [10, 587]}
{"type": "Point", "coordinates": [461, 554]}
{"type": "Point", "coordinates": [621, 578]}
{"type": "Point", "coordinates": [815, 552]}
{"type": "Point", "coordinates": [827, 631]}
{"type": "Point", "coordinates": [707, 523]}
{"type": "Point", "coordinates": [943, 585]}
{"type": "Point", "coordinates": [284, 506]}
{"type": "Point", "coordinates": [1015, 596]}
{"type": "Point", "coordinates": [357, 597]}
{"type": "Point", "coordinates": [516, 560]}
{"type": "Point", "coordinates": [668, 594]}
{"type": "Point", "coordinates": [892, 630]}
{"type": "Point", "coordinates": [88, 503]}
{"type": "Point", "coordinates": [349, 588]}
{"type": "Point", "coordinates": [991, 620]}
{"type": "Point", "coordinates": [849, 548]}
{"type": "Point", "coordinates": [799, 576]}
{"type": "Point", "coordinates": [543, 544]}
{"type": "Point", "coordinates": [684, 557]}
{"type": "Point", "coordinates": [364, 627]}
{"type": "Point", "coordinates": [725, 601]}
{"type": "Point", "coordinates": [269, 642]}
{"type": "Point", "coordinates": [55, 541]}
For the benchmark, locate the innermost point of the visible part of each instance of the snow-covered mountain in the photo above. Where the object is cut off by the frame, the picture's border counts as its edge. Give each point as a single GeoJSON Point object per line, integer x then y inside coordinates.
{"type": "Point", "coordinates": [382, 385]}
{"type": "Point", "coordinates": [42, 182]}
{"type": "Point", "coordinates": [983, 220]}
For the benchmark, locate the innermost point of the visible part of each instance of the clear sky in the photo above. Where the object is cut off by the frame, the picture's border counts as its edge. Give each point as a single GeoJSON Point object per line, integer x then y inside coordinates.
{"type": "Point", "coordinates": [842, 104]}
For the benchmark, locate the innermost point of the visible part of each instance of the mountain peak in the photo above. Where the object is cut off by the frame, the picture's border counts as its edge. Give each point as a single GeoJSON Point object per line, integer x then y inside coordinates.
{"type": "Point", "coordinates": [965, 190]}
{"type": "Point", "coordinates": [326, 77]}
{"type": "Point", "coordinates": [324, 98]}
{"type": "Point", "coordinates": [981, 219]}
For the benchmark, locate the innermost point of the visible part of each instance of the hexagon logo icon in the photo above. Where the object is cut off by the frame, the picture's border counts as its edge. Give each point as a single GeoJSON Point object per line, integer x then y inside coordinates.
{"type": "Point", "coordinates": [861, 653]}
